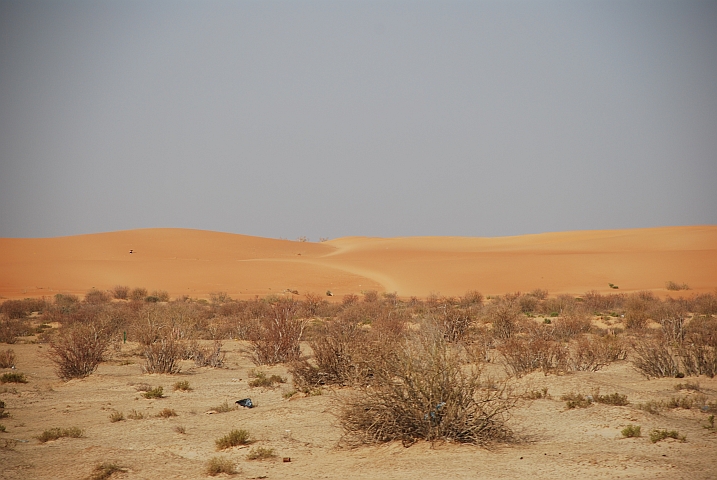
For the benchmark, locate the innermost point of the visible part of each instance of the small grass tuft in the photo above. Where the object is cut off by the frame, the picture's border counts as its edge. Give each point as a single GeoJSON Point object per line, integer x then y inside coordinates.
{"type": "Point", "coordinates": [7, 358]}
{"type": "Point", "coordinates": [693, 386]}
{"type": "Point", "coordinates": [576, 400]}
{"type": "Point", "coordinates": [232, 439]}
{"type": "Point", "coordinates": [104, 471]}
{"type": "Point", "coordinates": [180, 429]}
{"type": "Point", "coordinates": [261, 453]}
{"type": "Point", "coordinates": [167, 413]}
{"type": "Point", "coordinates": [13, 377]}
{"type": "Point", "coordinates": [659, 435]}
{"type": "Point", "coordinates": [537, 394]}
{"type": "Point", "coordinates": [157, 392]}
{"type": "Point", "coordinates": [612, 399]}
{"type": "Point", "coordinates": [55, 433]}
{"type": "Point", "coordinates": [3, 430]}
{"type": "Point", "coordinates": [261, 380]}
{"type": "Point", "coordinates": [182, 386]}
{"type": "Point", "coordinates": [631, 431]}
{"type": "Point", "coordinates": [225, 407]}
{"type": "Point", "coordinates": [217, 465]}
{"type": "Point", "coordinates": [135, 415]}
{"type": "Point", "coordinates": [116, 416]}
{"type": "Point", "coordinates": [653, 406]}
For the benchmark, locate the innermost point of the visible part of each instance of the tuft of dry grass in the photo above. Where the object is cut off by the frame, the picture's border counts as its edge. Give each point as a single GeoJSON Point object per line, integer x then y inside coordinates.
{"type": "Point", "coordinates": [7, 358]}
{"type": "Point", "coordinates": [116, 416]}
{"type": "Point", "coordinates": [167, 413]}
{"type": "Point", "coordinates": [105, 470]}
{"type": "Point", "coordinates": [261, 453]}
{"type": "Point", "coordinates": [180, 429]}
{"type": "Point", "coordinates": [612, 399]}
{"type": "Point", "coordinates": [233, 439]}
{"type": "Point", "coordinates": [261, 380]}
{"type": "Point", "coordinates": [135, 415]}
{"type": "Point", "coordinates": [217, 465]}
{"type": "Point", "coordinates": [55, 433]}
{"type": "Point", "coordinates": [576, 400]}
{"type": "Point", "coordinates": [225, 407]}
{"type": "Point", "coordinates": [182, 386]}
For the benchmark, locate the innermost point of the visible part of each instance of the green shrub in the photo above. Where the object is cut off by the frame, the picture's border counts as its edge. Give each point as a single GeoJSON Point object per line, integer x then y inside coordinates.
{"type": "Point", "coordinates": [658, 435]}
{"type": "Point", "coordinates": [232, 439]}
{"type": "Point", "coordinates": [157, 392]}
{"type": "Point", "coordinates": [631, 431]}
{"type": "Point", "coordinates": [13, 377]}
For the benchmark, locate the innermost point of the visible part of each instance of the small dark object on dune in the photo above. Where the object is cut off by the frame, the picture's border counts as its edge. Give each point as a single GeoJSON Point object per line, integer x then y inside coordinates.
{"type": "Point", "coordinates": [245, 402]}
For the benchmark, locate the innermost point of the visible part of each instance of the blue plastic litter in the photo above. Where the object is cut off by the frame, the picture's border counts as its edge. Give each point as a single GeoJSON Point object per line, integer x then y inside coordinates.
{"type": "Point", "coordinates": [245, 402]}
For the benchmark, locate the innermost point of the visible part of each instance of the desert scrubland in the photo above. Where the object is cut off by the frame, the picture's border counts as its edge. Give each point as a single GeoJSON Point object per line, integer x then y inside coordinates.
{"type": "Point", "coordinates": [580, 354]}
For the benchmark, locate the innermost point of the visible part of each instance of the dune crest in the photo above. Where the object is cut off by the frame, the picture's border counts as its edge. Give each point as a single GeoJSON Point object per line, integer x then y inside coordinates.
{"type": "Point", "coordinates": [196, 263]}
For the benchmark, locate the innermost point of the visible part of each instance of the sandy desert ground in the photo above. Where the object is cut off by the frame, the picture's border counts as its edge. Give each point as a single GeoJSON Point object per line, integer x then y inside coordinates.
{"type": "Point", "coordinates": [551, 440]}
{"type": "Point", "coordinates": [195, 263]}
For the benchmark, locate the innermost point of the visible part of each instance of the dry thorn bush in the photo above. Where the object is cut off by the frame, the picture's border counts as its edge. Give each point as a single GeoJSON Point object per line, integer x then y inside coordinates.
{"type": "Point", "coordinates": [427, 393]}
{"type": "Point", "coordinates": [277, 337]}
{"type": "Point", "coordinates": [78, 349]}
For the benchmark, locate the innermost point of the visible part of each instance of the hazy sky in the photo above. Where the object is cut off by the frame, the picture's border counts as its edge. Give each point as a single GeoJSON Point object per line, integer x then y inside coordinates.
{"type": "Point", "coordinates": [337, 118]}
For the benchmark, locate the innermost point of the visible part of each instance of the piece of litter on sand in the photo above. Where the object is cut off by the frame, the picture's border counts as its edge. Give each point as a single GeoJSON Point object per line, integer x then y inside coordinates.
{"type": "Point", "coordinates": [245, 402]}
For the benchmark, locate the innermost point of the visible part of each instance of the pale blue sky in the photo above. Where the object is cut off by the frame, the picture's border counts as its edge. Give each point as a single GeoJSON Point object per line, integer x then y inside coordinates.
{"type": "Point", "coordinates": [328, 119]}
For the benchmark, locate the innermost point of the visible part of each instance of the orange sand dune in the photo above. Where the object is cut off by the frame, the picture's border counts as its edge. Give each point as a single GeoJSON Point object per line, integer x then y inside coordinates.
{"type": "Point", "coordinates": [196, 263]}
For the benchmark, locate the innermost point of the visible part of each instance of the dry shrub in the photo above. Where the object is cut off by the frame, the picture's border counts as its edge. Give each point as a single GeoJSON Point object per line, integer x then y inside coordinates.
{"type": "Point", "coordinates": [524, 355]}
{"type": "Point", "coordinates": [11, 328]}
{"type": "Point", "coordinates": [98, 297]}
{"type": "Point", "coordinates": [312, 304]}
{"type": "Point", "coordinates": [705, 304]}
{"type": "Point", "coordinates": [7, 358]}
{"type": "Point", "coordinates": [503, 315]}
{"type": "Point", "coordinates": [637, 308]}
{"type": "Point", "coordinates": [653, 357]}
{"type": "Point", "coordinates": [454, 323]}
{"type": "Point", "coordinates": [347, 353]}
{"type": "Point", "coordinates": [261, 453]}
{"type": "Point", "coordinates": [370, 296]}
{"type": "Point", "coordinates": [276, 340]}
{"type": "Point", "coordinates": [120, 292]}
{"type": "Point", "coordinates": [560, 304]}
{"type": "Point", "coordinates": [212, 356]}
{"type": "Point", "coordinates": [596, 302]}
{"type": "Point", "coordinates": [698, 351]}
{"type": "Point", "coordinates": [571, 324]}
{"type": "Point", "coordinates": [591, 353]}
{"type": "Point", "coordinates": [78, 349]}
{"type": "Point", "coordinates": [426, 394]}
{"type": "Point", "coordinates": [671, 316]}
{"type": "Point", "coordinates": [472, 298]}
{"type": "Point", "coordinates": [138, 294]}
{"type": "Point", "coordinates": [670, 285]}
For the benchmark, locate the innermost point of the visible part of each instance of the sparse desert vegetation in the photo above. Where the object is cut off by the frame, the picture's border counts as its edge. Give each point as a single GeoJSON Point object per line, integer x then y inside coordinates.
{"type": "Point", "coordinates": [370, 369]}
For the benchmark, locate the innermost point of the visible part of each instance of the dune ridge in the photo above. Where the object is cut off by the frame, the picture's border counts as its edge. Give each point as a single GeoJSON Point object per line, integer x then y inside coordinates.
{"type": "Point", "coordinates": [197, 262]}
